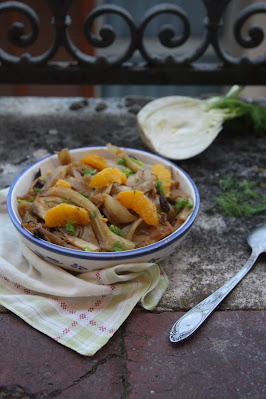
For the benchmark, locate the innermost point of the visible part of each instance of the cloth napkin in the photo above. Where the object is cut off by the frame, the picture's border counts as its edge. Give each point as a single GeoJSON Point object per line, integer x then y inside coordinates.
{"type": "Point", "coordinates": [80, 311]}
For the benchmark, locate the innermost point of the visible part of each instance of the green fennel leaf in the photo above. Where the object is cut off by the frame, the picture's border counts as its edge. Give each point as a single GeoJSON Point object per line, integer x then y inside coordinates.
{"type": "Point", "coordinates": [136, 161]}
{"type": "Point", "coordinates": [116, 230]}
{"type": "Point", "coordinates": [89, 171]}
{"type": "Point", "coordinates": [181, 203]}
{"type": "Point", "coordinates": [70, 226]}
{"type": "Point", "coordinates": [86, 249]}
{"type": "Point", "coordinates": [118, 247]}
{"type": "Point", "coordinates": [128, 172]}
{"type": "Point", "coordinates": [239, 197]}
{"type": "Point", "coordinates": [84, 195]}
{"type": "Point", "coordinates": [159, 187]}
{"type": "Point", "coordinates": [122, 161]}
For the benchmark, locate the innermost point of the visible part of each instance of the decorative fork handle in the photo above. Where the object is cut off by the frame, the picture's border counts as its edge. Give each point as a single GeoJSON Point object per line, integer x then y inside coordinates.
{"type": "Point", "coordinates": [188, 323]}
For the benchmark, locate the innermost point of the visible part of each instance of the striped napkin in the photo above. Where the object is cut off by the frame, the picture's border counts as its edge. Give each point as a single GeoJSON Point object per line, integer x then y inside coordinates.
{"type": "Point", "coordinates": [81, 311]}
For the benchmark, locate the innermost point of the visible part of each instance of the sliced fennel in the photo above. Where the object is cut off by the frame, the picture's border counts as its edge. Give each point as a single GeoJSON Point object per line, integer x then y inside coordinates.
{"type": "Point", "coordinates": [179, 127]}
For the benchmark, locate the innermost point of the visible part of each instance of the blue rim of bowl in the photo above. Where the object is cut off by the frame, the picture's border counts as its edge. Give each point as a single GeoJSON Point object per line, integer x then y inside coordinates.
{"type": "Point", "coordinates": [133, 253]}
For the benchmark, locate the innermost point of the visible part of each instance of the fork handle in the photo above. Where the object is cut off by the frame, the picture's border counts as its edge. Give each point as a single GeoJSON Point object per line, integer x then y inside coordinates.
{"type": "Point", "coordinates": [191, 320]}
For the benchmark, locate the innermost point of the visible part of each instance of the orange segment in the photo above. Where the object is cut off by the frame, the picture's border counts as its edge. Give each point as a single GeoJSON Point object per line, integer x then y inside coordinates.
{"type": "Point", "coordinates": [108, 176]}
{"type": "Point", "coordinates": [95, 161]}
{"type": "Point", "coordinates": [63, 183]}
{"type": "Point", "coordinates": [142, 205]}
{"type": "Point", "coordinates": [164, 175]}
{"type": "Point", "coordinates": [61, 214]}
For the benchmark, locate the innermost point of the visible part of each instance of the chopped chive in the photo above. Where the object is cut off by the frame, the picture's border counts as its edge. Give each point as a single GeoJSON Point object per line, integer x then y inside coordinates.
{"type": "Point", "coordinates": [37, 190]}
{"type": "Point", "coordinates": [94, 214]}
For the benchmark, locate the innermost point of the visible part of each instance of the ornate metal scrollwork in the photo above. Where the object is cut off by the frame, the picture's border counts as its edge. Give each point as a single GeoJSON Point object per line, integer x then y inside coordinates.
{"type": "Point", "coordinates": [256, 37]}
{"type": "Point", "coordinates": [108, 36]}
{"type": "Point", "coordinates": [125, 60]}
{"type": "Point", "coordinates": [17, 29]}
{"type": "Point", "coordinates": [256, 33]}
{"type": "Point", "coordinates": [17, 37]}
{"type": "Point", "coordinates": [166, 34]}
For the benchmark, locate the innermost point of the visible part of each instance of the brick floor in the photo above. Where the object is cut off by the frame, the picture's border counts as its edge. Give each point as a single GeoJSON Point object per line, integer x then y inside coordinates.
{"type": "Point", "coordinates": [225, 358]}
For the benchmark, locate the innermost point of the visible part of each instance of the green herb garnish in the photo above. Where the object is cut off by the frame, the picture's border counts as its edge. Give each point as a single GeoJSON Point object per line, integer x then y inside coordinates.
{"type": "Point", "coordinates": [86, 249]}
{"type": "Point", "coordinates": [94, 214]}
{"type": "Point", "coordinates": [238, 197]}
{"type": "Point", "coordinates": [159, 187]}
{"type": "Point", "coordinates": [84, 195]}
{"type": "Point", "coordinates": [70, 226]}
{"type": "Point", "coordinates": [181, 203]}
{"type": "Point", "coordinates": [116, 230]}
{"type": "Point", "coordinates": [89, 171]}
{"type": "Point", "coordinates": [136, 161]}
{"type": "Point", "coordinates": [117, 247]}
{"type": "Point", "coordinates": [37, 190]}
{"type": "Point", "coordinates": [128, 172]}
{"type": "Point", "coordinates": [21, 201]}
{"type": "Point", "coordinates": [122, 161]}
{"type": "Point", "coordinates": [66, 201]}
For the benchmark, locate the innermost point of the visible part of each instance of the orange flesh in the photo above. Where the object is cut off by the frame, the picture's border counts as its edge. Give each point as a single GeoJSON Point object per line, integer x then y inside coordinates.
{"type": "Point", "coordinates": [95, 161]}
{"type": "Point", "coordinates": [63, 183]}
{"type": "Point", "coordinates": [108, 176]}
{"type": "Point", "coordinates": [142, 205]}
{"type": "Point", "coordinates": [61, 214]}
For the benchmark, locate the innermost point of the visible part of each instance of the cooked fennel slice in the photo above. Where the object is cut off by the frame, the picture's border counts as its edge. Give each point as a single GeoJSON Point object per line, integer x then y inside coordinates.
{"type": "Point", "coordinates": [107, 239]}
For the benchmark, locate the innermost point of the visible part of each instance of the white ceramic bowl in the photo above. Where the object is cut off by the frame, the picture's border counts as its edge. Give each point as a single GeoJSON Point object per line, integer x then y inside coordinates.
{"type": "Point", "coordinates": [81, 261]}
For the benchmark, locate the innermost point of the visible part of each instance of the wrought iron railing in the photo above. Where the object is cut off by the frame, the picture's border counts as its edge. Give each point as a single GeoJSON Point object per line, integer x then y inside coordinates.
{"type": "Point", "coordinates": [123, 68]}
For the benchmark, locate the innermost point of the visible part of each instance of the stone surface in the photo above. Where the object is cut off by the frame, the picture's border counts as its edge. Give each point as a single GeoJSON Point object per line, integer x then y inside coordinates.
{"type": "Point", "coordinates": [216, 247]}
{"type": "Point", "coordinates": [225, 358]}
